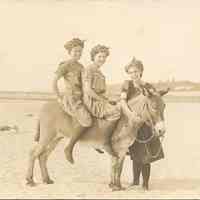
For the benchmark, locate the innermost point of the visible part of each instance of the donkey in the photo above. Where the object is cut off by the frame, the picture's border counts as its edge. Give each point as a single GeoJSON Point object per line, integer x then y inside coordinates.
{"type": "Point", "coordinates": [55, 124]}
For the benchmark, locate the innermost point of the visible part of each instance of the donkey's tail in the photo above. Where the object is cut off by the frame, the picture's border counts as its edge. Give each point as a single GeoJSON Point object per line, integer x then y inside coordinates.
{"type": "Point", "coordinates": [37, 135]}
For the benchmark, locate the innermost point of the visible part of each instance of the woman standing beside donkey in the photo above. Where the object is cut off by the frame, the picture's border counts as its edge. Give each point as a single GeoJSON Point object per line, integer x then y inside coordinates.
{"type": "Point", "coordinates": [138, 151]}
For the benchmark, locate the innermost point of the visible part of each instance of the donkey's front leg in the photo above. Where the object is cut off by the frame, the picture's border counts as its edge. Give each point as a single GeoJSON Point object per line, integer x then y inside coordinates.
{"type": "Point", "coordinates": [113, 171]}
{"type": "Point", "coordinates": [115, 174]}
{"type": "Point", "coordinates": [119, 172]}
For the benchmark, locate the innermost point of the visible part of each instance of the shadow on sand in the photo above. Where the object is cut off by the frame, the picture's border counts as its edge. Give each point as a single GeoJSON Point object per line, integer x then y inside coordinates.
{"type": "Point", "coordinates": [161, 185]}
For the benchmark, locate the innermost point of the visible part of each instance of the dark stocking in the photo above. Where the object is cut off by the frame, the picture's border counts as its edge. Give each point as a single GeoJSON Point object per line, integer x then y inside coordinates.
{"type": "Point", "coordinates": [146, 168]}
{"type": "Point", "coordinates": [137, 167]}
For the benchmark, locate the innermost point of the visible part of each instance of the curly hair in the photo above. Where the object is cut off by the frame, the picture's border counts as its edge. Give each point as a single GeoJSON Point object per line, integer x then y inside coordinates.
{"type": "Point", "coordinates": [97, 49]}
{"type": "Point", "coordinates": [135, 63]}
{"type": "Point", "coordinates": [69, 45]}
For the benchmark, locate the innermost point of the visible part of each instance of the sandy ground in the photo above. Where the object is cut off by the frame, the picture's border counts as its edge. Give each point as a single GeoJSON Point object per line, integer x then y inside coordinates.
{"type": "Point", "coordinates": [176, 176]}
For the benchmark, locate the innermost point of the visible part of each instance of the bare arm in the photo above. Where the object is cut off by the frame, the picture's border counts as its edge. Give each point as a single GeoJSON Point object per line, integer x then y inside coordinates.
{"type": "Point", "coordinates": [55, 86]}
{"type": "Point", "coordinates": [132, 115]}
{"type": "Point", "coordinates": [87, 85]}
{"type": "Point", "coordinates": [124, 105]}
{"type": "Point", "coordinates": [91, 92]}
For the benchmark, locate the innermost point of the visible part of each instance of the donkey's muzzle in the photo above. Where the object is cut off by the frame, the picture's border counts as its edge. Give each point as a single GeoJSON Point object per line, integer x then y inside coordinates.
{"type": "Point", "coordinates": [160, 128]}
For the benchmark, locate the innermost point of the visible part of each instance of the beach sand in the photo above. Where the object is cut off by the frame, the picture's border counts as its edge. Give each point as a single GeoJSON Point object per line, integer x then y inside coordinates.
{"type": "Point", "coordinates": [176, 176]}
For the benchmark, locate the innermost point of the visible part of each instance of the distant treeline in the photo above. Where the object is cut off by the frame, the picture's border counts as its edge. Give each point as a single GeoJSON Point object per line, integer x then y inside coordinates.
{"type": "Point", "coordinates": [113, 91]}
{"type": "Point", "coordinates": [173, 85]}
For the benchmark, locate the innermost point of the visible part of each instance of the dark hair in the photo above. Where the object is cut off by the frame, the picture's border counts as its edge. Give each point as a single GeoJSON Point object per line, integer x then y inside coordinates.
{"type": "Point", "coordinates": [97, 49]}
{"type": "Point", "coordinates": [135, 63]}
{"type": "Point", "coordinates": [69, 45]}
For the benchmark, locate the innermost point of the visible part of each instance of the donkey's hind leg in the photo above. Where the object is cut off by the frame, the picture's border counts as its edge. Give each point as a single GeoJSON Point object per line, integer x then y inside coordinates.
{"type": "Point", "coordinates": [43, 160]}
{"type": "Point", "coordinates": [34, 153]}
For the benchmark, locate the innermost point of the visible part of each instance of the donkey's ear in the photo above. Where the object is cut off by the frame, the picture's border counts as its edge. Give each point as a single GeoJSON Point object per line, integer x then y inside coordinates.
{"type": "Point", "coordinates": [163, 92]}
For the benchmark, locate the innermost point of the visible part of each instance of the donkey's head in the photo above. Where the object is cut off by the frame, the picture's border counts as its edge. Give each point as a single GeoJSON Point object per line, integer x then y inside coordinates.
{"type": "Point", "coordinates": [151, 108]}
{"type": "Point", "coordinates": [155, 107]}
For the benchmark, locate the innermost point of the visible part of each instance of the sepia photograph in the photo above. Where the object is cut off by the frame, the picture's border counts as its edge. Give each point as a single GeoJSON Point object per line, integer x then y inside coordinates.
{"type": "Point", "coordinates": [99, 99]}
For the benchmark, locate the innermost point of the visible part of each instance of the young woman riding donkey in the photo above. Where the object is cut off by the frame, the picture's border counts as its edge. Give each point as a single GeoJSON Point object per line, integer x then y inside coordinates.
{"type": "Point", "coordinates": [55, 124]}
{"type": "Point", "coordinates": [92, 81]}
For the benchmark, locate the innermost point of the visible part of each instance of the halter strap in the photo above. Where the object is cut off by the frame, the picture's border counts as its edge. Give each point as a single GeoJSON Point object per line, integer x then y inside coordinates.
{"type": "Point", "coordinates": [151, 125]}
{"type": "Point", "coordinates": [150, 138]}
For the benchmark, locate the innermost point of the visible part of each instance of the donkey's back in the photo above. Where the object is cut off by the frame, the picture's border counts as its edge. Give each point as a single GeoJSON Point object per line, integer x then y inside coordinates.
{"type": "Point", "coordinates": [53, 121]}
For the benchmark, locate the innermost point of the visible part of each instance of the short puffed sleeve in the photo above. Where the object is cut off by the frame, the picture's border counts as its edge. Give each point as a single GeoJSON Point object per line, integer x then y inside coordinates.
{"type": "Point", "coordinates": [62, 69]}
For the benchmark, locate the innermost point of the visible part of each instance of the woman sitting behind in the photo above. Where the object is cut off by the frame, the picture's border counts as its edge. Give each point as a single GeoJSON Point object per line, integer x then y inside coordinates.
{"type": "Point", "coordinates": [94, 87]}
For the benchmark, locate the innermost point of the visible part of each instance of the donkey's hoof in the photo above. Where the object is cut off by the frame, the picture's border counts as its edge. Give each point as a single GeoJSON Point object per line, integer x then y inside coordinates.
{"type": "Point", "coordinates": [69, 159]}
{"type": "Point", "coordinates": [132, 186]}
{"type": "Point", "coordinates": [48, 181]}
{"type": "Point", "coordinates": [117, 188]}
{"type": "Point", "coordinates": [111, 185]}
{"type": "Point", "coordinates": [68, 156]}
{"type": "Point", "coordinates": [122, 188]}
{"type": "Point", "coordinates": [31, 183]}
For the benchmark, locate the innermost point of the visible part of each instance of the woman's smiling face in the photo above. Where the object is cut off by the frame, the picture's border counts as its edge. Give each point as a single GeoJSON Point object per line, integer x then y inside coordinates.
{"type": "Point", "coordinates": [76, 52]}
{"type": "Point", "coordinates": [135, 74]}
{"type": "Point", "coordinates": [100, 58]}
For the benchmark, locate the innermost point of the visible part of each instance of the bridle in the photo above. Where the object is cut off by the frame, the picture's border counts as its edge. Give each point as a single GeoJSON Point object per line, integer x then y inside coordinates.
{"type": "Point", "coordinates": [149, 122]}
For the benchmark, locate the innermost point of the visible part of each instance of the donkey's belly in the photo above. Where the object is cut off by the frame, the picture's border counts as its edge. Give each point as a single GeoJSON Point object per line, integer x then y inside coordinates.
{"type": "Point", "coordinates": [97, 134]}
{"type": "Point", "coordinates": [93, 137]}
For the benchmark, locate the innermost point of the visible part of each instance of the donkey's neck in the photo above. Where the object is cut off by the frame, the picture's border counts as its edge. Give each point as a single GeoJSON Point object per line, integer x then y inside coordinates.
{"type": "Point", "coordinates": [136, 124]}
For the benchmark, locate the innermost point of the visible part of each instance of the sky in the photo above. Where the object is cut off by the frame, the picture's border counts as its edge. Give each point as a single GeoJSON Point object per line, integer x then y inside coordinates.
{"type": "Point", "coordinates": [164, 34]}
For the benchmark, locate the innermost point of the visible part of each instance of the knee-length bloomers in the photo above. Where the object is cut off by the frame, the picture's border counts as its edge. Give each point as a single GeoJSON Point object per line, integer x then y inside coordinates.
{"type": "Point", "coordinates": [71, 71]}
{"type": "Point", "coordinates": [98, 108]}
